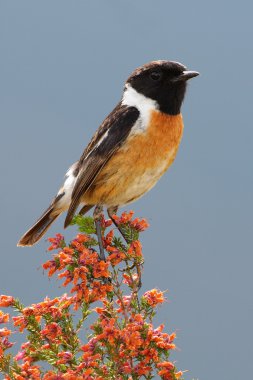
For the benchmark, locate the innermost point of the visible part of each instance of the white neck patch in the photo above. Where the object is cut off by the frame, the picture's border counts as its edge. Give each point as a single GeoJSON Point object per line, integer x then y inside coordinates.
{"type": "Point", "coordinates": [145, 105]}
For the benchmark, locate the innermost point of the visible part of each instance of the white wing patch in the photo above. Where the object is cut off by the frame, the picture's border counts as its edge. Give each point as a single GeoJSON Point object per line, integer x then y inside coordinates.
{"type": "Point", "coordinates": [133, 98]}
{"type": "Point", "coordinates": [98, 143]}
{"type": "Point", "coordinates": [67, 189]}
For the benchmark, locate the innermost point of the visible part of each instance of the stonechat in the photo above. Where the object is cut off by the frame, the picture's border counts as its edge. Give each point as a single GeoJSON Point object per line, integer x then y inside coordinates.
{"type": "Point", "coordinates": [130, 151]}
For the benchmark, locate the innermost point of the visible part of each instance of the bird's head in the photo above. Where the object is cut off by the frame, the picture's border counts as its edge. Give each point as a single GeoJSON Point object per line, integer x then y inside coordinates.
{"type": "Point", "coordinates": [162, 81]}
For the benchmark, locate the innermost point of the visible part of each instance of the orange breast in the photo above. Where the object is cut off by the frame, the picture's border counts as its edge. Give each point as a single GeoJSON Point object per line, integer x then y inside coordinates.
{"type": "Point", "coordinates": [136, 167]}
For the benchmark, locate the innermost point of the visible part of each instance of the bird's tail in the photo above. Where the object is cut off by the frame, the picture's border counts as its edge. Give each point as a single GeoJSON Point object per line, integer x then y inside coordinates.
{"type": "Point", "coordinates": [36, 232]}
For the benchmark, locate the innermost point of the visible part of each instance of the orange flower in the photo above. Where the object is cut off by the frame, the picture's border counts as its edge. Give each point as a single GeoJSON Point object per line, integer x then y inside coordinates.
{"type": "Point", "coordinates": [130, 280]}
{"type": "Point", "coordinates": [18, 377]}
{"type": "Point", "coordinates": [124, 302]}
{"type": "Point", "coordinates": [150, 353]}
{"type": "Point", "coordinates": [135, 249]}
{"type": "Point", "coordinates": [122, 334]}
{"type": "Point", "coordinates": [99, 291]}
{"type": "Point", "coordinates": [139, 224]}
{"type": "Point", "coordinates": [154, 297]}
{"type": "Point", "coordinates": [101, 269]}
{"type": "Point", "coordinates": [108, 239]}
{"type": "Point", "coordinates": [4, 318]}
{"type": "Point", "coordinates": [80, 274]}
{"type": "Point", "coordinates": [126, 368]}
{"type": "Point", "coordinates": [167, 365]}
{"type": "Point", "coordinates": [52, 376]}
{"type": "Point", "coordinates": [142, 369]}
{"type": "Point", "coordinates": [132, 338]}
{"type": "Point", "coordinates": [116, 257]}
{"type": "Point", "coordinates": [65, 301]}
{"type": "Point", "coordinates": [28, 371]}
{"type": "Point", "coordinates": [82, 294]}
{"type": "Point", "coordinates": [51, 265]}
{"type": "Point", "coordinates": [165, 374]}
{"type": "Point", "coordinates": [57, 242]}
{"type": "Point", "coordinates": [51, 331]}
{"type": "Point", "coordinates": [100, 310]}
{"type": "Point", "coordinates": [81, 238]}
{"type": "Point", "coordinates": [6, 301]}
{"type": "Point", "coordinates": [78, 246]}
{"type": "Point", "coordinates": [65, 357]}
{"type": "Point", "coordinates": [126, 217]}
{"type": "Point", "coordinates": [167, 371]}
{"type": "Point", "coordinates": [64, 259]}
{"type": "Point", "coordinates": [87, 257]}
{"type": "Point", "coordinates": [68, 275]}
{"type": "Point", "coordinates": [20, 321]}
{"type": "Point", "coordinates": [4, 332]}
{"type": "Point", "coordinates": [105, 222]}
{"type": "Point", "coordinates": [162, 340]}
{"type": "Point", "coordinates": [68, 250]}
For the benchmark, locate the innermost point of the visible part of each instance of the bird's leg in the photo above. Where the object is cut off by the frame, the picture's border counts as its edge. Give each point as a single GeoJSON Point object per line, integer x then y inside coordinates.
{"type": "Point", "coordinates": [97, 218]}
{"type": "Point", "coordinates": [111, 212]}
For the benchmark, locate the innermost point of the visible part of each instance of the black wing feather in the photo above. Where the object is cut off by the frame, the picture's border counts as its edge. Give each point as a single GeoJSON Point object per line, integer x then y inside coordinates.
{"type": "Point", "coordinates": [114, 131]}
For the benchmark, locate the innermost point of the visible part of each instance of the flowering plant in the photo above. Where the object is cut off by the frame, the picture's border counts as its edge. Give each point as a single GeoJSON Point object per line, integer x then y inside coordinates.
{"type": "Point", "coordinates": [122, 343]}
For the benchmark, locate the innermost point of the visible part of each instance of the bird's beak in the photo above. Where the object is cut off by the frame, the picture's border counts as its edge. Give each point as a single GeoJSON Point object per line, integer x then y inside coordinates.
{"type": "Point", "coordinates": [186, 75]}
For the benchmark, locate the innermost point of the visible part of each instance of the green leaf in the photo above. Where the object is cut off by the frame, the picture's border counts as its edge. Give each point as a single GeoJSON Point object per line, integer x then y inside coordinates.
{"type": "Point", "coordinates": [84, 223]}
{"type": "Point", "coordinates": [129, 233]}
{"type": "Point", "coordinates": [118, 243]}
{"type": "Point", "coordinates": [17, 305]}
{"type": "Point", "coordinates": [91, 243]}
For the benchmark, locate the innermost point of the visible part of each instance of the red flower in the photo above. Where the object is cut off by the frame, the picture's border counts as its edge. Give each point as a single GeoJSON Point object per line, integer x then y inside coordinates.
{"type": "Point", "coordinates": [167, 365]}
{"type": "Point", "coordinates": [135, 249]}
{"type": "Point", "coordinates": [108, 239]}
{"type": "Point", "coordinates": [4, 332]}
{"type": "Point", "coordinates": [154, 297]}
{"type": "Point", "coordinates": [115, 256]}
{"type": "Point", "coordinates": [139, 224]}
{"type": "Point", "coordinates": [57, 242]}
{"type": "Point", "coordinates": [20, 321]}
{"type": "Point", "coordinates": [123, 344]}
{"type": "Point", "coordinates": [20, 355]}
{"type": "Point", "coordinates": [100, 269]}
{"type": "Point", "coordinates": [81, 238]}
{"type": "Point", "coordinates": [6, 301]}
{"type": "Point", "coordinates": [65, 357]}
{"type": "Point", "coordinates": [4, 318]}
{"type": "Point", "coordinates": [51, 331]}
{"type": "Point", "coordinates": [51, 265]}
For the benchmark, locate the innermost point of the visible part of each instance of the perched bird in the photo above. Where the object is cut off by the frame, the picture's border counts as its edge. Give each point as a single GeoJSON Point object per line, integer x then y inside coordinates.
{"type": "Point", "coordinates": [130, 151]}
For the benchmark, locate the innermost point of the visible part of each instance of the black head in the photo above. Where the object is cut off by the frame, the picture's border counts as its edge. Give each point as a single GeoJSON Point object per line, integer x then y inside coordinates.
{"type": "Point", "coordinates": [164, 82]}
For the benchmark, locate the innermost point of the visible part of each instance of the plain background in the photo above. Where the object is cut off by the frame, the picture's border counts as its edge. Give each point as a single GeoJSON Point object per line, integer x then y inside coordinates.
{"type": "Point", "coordinates": [62, 69]}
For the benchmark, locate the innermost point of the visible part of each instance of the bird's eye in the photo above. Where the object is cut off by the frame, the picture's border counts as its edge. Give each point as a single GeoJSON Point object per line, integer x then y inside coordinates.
{"type": "Point", "coordinates": [155, 75]}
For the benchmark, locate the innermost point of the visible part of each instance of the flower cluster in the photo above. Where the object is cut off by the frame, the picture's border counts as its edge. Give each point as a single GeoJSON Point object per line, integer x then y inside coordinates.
{"type": "Point", "coordinates": [122, 343]}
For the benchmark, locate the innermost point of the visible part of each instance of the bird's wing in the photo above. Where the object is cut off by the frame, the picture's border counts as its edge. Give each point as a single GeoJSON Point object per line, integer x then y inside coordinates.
{"type": "Point", "coordinates": [107, 140]}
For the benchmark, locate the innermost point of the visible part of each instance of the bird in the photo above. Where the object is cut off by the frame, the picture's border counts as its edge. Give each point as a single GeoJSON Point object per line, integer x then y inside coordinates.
{"type": "Point", "coordinates": [133, 147]}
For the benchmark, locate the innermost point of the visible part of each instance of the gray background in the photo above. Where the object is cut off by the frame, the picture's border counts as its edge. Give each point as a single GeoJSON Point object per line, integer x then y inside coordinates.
{"type": "Point", "coordinates": [63, 65]}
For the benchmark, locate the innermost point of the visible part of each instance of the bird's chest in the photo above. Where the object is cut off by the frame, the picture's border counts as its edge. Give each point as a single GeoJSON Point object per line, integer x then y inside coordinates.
{"type": "Point", "coordinates": [145, 156]}
{"type": "Point", "coordinates": [154, 148]}
{"type": "Point", "coordinates": [136, 167]}
{"type": "Point", "coordinates": [149, 154]}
